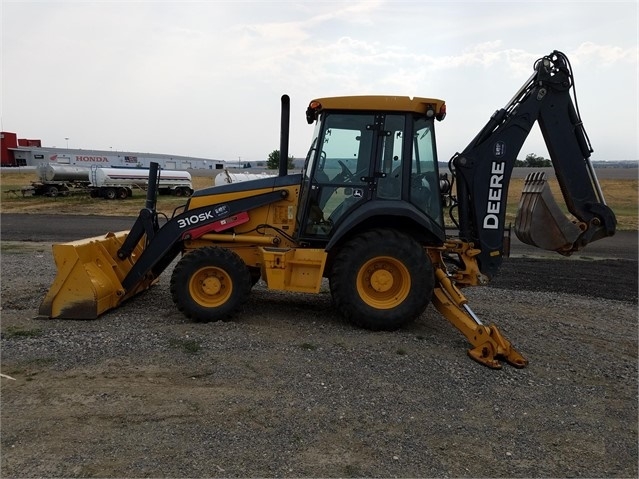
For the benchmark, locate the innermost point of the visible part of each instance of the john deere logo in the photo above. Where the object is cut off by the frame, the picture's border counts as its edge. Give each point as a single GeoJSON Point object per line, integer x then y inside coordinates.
{"type": "Point", "coordinates": [500, 149]}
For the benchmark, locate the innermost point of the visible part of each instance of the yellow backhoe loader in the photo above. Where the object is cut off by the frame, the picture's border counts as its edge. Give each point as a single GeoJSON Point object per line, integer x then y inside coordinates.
{"type": "Point", "coordinates": [367, 212]}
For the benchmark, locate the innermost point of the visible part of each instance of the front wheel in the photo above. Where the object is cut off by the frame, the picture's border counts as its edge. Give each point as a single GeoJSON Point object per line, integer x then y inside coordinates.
{"type": "Point", "coordinates": [210, 284]}
{"type": "Point", "coordinates": [382, 279]}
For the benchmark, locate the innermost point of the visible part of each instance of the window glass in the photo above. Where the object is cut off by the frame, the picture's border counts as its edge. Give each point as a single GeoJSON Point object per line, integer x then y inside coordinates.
{"type": "Point", "coordinates": [311, 155]}
{"type": "Point", "coordinates": [424, 182]}
{"type": "Point", "coordinates": [345, 149]}
{"type": "Point", "coordinates": [390, 186]}
{"type": "Point", "coordinates": [344, 159]}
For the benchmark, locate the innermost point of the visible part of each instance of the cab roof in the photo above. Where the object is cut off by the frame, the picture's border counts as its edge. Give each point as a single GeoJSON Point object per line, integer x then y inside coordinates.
{"type": "Point", "coordinates": [379, 103]}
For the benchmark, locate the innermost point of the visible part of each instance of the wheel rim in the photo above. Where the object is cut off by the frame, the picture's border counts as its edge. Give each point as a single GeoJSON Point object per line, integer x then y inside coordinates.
{"type": "Point", "coordinates": [210, 287]}
{"type": "Point", "coordinates": [383, 282]}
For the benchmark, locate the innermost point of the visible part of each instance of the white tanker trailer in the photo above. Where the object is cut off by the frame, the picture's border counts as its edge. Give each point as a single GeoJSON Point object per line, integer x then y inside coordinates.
{"type": "Point", "coordinates": [54, 180]}
{"type": "Point", "coordinates": [112, 183]}
{"type": "Point", "coordinates": [51, 173]}
{"type": "Point", "coordinates": [109, 183]}
{"type": "Point", "coordinates": [226, 177]}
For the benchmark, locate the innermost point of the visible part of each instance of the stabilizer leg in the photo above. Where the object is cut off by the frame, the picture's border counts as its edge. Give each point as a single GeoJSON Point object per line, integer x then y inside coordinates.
{"type": "Point", "coordinates": [489, 344]}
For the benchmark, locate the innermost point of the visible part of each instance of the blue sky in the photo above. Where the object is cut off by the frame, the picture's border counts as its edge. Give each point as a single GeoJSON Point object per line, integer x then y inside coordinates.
{"type": "Point", "coordinates": [205, 78]}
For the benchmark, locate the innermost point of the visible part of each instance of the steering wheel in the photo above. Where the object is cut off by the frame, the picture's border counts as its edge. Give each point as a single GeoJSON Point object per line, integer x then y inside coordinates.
{"type": "Point", "coordinates": [345, 171]}
{"type": "Point", "coordinates": [418, 179]}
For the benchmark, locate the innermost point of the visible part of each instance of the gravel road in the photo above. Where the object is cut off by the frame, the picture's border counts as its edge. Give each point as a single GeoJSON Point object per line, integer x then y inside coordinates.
{"type": "Point", "coordinates": [289, 390]}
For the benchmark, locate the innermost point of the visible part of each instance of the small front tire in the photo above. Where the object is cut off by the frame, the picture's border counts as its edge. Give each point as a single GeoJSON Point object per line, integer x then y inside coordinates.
{"type": "Point", "coordinates": [210, 284]}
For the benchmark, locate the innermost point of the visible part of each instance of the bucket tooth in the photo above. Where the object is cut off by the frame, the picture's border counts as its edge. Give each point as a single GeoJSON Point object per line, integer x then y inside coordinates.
{"type": "Point", "coordinates": [89, 278]}
{"type": "Point", "coordinates": [540, 222]}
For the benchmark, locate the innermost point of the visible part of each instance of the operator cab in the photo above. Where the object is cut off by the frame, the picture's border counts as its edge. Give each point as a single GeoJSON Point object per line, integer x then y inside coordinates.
{"type": "Point", "coordinates": [373, 151]}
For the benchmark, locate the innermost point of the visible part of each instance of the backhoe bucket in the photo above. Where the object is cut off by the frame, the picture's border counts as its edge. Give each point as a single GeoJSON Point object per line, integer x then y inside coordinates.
{"type": "Point", "coordinates": [89, 278]}
{"type": "Point", "coordinates": [539, 220]}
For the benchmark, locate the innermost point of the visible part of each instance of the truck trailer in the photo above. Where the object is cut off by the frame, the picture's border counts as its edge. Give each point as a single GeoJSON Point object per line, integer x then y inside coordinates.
{"type": "Point", "coordinates": [118, 183]}
{"type": "Point", "coordinates": [54, 180]}
{"type": "Point", "coordinates": [109, 183]}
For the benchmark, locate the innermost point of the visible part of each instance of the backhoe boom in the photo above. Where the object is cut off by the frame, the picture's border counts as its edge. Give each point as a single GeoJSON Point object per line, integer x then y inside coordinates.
{"type": "Point", "coordinates": [483, 172]}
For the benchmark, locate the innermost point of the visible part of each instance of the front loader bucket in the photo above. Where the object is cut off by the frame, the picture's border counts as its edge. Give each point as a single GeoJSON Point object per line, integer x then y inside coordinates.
{"type": "Point", "coordinates": [89, 278]}
{"type": "Point", "coordinates": [539, 220]}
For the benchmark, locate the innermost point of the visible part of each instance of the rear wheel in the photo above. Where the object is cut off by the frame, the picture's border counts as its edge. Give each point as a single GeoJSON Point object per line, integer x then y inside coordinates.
{"type": "Point", "coordinates": [210, 284]}
{"type": "Point", "coordinates": [110, 194]}
{"type": "Point", "coordinates": [52, 191]}
{"type": "Point", "coordinates": [382, 280]}
{"type": "Point", "coordinates": [123, 194]}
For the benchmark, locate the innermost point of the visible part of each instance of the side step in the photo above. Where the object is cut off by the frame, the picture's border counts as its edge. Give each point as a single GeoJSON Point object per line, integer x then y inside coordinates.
{"type": "Point", "coordinates": [290, 269]}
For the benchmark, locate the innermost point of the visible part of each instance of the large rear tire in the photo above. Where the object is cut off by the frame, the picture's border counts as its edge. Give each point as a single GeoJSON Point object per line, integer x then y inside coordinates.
{"type": "Point", "coordinates": [382, 280]}
{"type": "Point", "coordinates": [210, 284]}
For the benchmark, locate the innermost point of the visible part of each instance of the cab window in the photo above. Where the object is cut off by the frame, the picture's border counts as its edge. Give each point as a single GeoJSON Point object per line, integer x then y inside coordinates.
{"type": "Point", "coordinates": [343, 161]}
{"type": "Point", "coordinates": [424, 185]}
{"type": "Point", "coordinates": [389, 186]}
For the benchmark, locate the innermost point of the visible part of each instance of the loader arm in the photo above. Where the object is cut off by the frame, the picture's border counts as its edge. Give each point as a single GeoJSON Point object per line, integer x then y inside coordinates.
{"type": "Point", "coordinates": [166, 244]}
{"type": "Point", "coordinates": [483, 171]}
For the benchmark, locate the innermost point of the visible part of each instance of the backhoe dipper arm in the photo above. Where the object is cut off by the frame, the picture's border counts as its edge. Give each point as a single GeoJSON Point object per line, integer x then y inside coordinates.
{"type": "Point", "coordinates": [483, 172]}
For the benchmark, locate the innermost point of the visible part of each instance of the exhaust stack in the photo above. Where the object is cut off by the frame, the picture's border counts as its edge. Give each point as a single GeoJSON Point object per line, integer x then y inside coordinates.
{"type": "Point", "coordinates": [284, 134]}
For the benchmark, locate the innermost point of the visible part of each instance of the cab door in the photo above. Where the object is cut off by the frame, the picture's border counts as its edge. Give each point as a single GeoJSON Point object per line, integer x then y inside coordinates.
{"type": "Point", "coordinates": [340, 172]}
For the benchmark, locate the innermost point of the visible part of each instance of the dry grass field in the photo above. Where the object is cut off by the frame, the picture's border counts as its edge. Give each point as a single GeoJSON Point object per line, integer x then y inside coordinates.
{"type": "Point", "coordinates": [12, 200]}
{"type": "Point", "coordinates": [621, 194]}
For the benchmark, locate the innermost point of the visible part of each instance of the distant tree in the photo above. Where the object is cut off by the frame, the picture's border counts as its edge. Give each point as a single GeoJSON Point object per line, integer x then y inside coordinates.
{"type": "Point", "coordinates": [273, 162]}
{"type": "Point", "coordinates": [534, 161]}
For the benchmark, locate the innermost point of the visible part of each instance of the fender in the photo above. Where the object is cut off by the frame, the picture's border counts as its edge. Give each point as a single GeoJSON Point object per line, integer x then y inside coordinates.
{"type": "Point", "coordinates": [421, 225]}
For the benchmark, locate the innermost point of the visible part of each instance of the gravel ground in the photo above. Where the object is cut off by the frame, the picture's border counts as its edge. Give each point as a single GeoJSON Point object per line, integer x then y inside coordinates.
{"type": "Point", "coordinates": [289, 390]}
